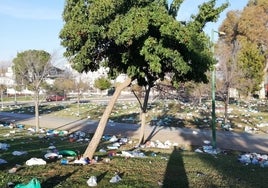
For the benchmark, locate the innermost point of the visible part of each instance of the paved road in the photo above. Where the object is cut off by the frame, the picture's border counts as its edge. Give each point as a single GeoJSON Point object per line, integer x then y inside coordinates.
{"type": "Point", "coordinates": [182, 136]}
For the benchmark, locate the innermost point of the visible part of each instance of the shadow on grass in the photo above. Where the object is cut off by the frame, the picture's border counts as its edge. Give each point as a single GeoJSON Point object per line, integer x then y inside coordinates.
{"type": "Point", "coordinates": [56, 180]}
{"type": "Point", "coordinates": [101, 176]}
{"type": "Point", "coordinates": [175, 175]}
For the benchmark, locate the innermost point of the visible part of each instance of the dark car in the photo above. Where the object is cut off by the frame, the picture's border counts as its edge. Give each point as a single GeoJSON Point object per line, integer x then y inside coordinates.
{"type": "Point", "coordinates": [55, 98]}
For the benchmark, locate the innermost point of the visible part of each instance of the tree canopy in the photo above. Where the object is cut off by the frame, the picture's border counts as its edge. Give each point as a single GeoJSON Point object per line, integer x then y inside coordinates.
{"type": "Point", "coordinates": [140, 38]}
{"type": "Point", "coordinates": [247, 35]}
{"type": "Point", "coordinates": [102, 83]}
{"type": "Point", "coordinates": [30, 68]}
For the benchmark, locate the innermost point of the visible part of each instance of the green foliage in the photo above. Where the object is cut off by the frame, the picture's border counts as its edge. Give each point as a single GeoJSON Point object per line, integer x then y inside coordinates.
{"type": "Point", "coordinates": [102, 83]}
{"type": "Point", "coordinates": [251, 61]}
{"type": "Point", "coordinates": [246, 41]}
{"type": "Point", "coordinates": [31, 67]}
{"type": "Point", "coordinates": [63, 85]}
{"type": "Point", "coordinates": [142, 39]}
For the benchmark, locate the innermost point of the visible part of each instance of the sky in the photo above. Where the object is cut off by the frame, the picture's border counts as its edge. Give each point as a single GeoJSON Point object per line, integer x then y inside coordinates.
{"type": "Point", "coordinates": [35, 24]}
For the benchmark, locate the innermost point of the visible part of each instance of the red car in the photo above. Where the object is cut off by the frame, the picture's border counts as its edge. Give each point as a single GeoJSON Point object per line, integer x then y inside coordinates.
{"type": "Point", "coordinates": [55, 98]}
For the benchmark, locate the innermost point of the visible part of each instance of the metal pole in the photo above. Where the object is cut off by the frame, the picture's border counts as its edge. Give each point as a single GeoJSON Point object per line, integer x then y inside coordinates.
{"type": "Point", "coordinates": [213, 114]}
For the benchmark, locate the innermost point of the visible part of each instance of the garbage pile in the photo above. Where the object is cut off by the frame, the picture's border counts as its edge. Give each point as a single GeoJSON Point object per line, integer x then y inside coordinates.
{"type": "Point", "coordinates": [158, 144]}
{"type": "Point", "coordinates": [208, 149]}
{"type": "Point", "coordinates": [254, 158]}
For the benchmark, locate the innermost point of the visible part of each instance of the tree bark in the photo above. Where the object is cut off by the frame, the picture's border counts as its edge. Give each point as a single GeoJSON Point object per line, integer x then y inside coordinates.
{"type": "Point", "coordinates": [91, 148]}
{"type": "Point", "coordinates": [143, 115]}
{"type": "Point", "coordinates": [36, 101]}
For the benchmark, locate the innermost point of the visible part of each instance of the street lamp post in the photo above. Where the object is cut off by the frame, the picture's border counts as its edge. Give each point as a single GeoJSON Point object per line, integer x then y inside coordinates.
{"type": "Point", "coordinates": [213, 88]}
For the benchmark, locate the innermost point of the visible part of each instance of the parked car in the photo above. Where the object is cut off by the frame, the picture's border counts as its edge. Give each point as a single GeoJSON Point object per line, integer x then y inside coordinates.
{"type": "Point", "coordinates": [56, 98]}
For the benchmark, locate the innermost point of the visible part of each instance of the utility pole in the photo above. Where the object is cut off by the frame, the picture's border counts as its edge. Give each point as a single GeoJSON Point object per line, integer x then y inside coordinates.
{"type": "Point", "coordinates": [213, 88]}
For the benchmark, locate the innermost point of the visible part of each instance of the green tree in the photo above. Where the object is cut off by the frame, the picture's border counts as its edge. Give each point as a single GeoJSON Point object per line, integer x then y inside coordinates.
{"type": "Point", "coordinates": [141, 39]}
{"type": "Point", "coordinates": [102, 83]}
{"type": "Point", "coordinates": [251, 62]}
{"type": "Point", "coordinates": [246, 36]}
{"type": "Point", "coordinates": [31, 68]}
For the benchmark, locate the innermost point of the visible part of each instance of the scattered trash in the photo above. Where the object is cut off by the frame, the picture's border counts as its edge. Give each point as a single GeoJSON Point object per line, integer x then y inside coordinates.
{"type": "Point", "coordinates": [4, 146]}
{"type": "Point", "coordinates": [115, 179]}
{"type": "Point", "coordinates": [2, 161]}
{"type": "Point", "coordinates": [113, 139]}
{"type": "Point", "coordinates": [206, 142]}
{"type": "Point", "coordinates": [199, 174]}
{"type": "Point", "coordinates": [10, 185]}
{"type": "Point", "coordinates": [207, 149]}
{"type": "Point", "coordinates": [254, 158]}
{"type": "Point", "coordinates": [92, 181]}
{"type": "Point", "coordinates": [14, 169]}
{"type": "Point", "coordinates": [82, 161]}
{"type": "Point", "coordinates": [67, 153]}
{"type": "Point", "coordinates": [198, 150]}
{"type": "Point", "coordinates": [19, 153]}
{"type": "Point", "coordinates": [132, 154]}
{"type": "Point", "coordinates": [112, 147]}
{"type": "Point", "coordinates": [96, 158]}
{"type": "Point", "coordinates": [52, 147]}
{"type": "Point", "coordinates": [106, 160]}
{"type": "Point", "coordinates": [52, 156]}
{"type": "Point", "coordinates": [34, 183]}
{"type": "Point", "coordinates": [35, 161]}
{"type": "Point", "coordinates": [102, 150]}
{"type": "Point", "coordinates": [64, 161]}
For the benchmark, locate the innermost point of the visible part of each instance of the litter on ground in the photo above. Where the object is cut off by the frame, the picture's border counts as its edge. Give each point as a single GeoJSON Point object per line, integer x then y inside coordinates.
{"type": "Point", "coordinates": [115, 179]}
{"type": "Point", "coordinates": [92, 181]}
{"type": "Point", "coordinates": [35, 161]}
{"type": "Point", "coordinates": [254, 158]}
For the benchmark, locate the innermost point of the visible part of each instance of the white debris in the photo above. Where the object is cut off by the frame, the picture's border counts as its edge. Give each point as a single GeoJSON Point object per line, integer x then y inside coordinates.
{"type": "Point", "coordinates": [113, 139]}
{"type": "Point", "coordinates": [19, 153]}
{"type": "Point", "coordinates": [132, 154]}
{"type": "Point", "coordinates": [115, 179]}
{"type": "Point", "coordinates": [81, 161]}
{"type": "Point", "coordinates": [254, 158]}
{"type": "Point", "coordinates": [262, 125]}
{"type": "Point", "coordinates": [206, 141]}
{"type": "Point", "coordinates": [3, 161]}
{"type": "Point", "coordinates": [4, 146]}
{"type": "Point", "coordinates": [35, 161]}
{"type": "Point", "coordinates": [92, 181]}
{"type": "Point", "coordinates": [52, 155]}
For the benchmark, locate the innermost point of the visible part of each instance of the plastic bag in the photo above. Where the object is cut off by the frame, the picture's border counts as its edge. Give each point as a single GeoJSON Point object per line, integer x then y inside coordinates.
{"type": "Point", "coordinates": [92, 181]}
{"type": "Point", "coordinates": [34, 183]}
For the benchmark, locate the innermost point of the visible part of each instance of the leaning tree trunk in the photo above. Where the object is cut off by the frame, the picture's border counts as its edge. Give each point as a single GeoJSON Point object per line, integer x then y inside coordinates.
{"type": "Point", "coordinates": [92, 146]}
{"type": "Point", "coordinates": [143, 115]}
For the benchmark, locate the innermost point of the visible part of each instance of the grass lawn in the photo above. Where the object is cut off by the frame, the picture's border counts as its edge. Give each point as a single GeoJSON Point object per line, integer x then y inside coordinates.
{"type": "Point", "coordinates": [172, 167]}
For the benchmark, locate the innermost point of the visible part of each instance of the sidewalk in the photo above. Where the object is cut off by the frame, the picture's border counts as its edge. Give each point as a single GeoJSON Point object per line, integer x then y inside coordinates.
{"type": "Point", "coordinates": [182, 136]}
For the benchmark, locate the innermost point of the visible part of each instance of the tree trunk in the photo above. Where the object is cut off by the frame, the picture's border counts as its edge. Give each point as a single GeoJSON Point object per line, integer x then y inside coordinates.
{"type": "Point", "coordinates": [2, 104]}
{"type": "Point", "coordinates": [142, 129]}
{"type": "Point", "coordinates": [226, 105]}
{"type": "Point", "coordinates": [36, 101]}
{"type": "Point", "coordinates": [143, 115]}
{"type": "Point", "coordinates": [91, 148]}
